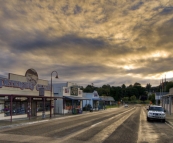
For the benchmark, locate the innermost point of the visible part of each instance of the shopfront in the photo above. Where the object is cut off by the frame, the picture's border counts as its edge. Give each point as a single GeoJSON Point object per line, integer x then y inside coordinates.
{"type": "Point", "coordinates": [21, 95]}
{"type": "Point", "coordinates": [72, 101]}
{"type": "Point", "coordinates": [95, 101]}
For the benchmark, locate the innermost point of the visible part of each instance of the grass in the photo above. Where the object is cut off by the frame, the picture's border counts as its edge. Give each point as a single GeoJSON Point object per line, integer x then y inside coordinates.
{"type": "Point", "coordinates": [111, 106]}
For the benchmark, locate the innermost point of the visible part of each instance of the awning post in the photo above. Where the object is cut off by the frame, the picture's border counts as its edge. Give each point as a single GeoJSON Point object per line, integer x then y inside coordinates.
{"type": "Point", "coordinates": [11, 103]}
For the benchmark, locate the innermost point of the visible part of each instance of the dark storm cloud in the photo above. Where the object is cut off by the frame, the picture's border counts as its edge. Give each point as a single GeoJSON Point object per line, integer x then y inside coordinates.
{"type": "Point", "coordinates": [88, 69]}
{"type": "Point", "coordinates": [167, 11]}
{"type": "Point", "coordinates": [77, 9]}
{"type": "Point", "coordinates": [65, 9]}
{"type": "Point", "coordinates": [137, 5]}
{"type": "Point", "coordinates": [165, 33]}
{"type": "Point", "coordinates": [43, 42]}
{"type": "Point", "coordinates": [153, 66]}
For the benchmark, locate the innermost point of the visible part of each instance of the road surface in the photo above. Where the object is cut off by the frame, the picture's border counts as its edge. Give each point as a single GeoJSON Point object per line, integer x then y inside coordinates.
{"type": "Point", "coordinates": [118, 125]}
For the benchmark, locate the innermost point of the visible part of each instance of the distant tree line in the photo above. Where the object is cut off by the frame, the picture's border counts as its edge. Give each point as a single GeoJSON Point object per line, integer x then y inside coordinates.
{"type": "Point", "coordinates": [131, 92]}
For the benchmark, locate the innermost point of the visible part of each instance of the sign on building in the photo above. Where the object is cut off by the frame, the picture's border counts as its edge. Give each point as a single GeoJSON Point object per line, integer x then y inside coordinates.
{"type": "Point", "coordinates": [74, 91]}
{"type": "Point", "coordinates": [41, 91]}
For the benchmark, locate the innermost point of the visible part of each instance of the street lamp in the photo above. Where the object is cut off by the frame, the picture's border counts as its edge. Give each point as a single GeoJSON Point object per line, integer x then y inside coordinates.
{"type": "Point", "coordinates": [51, 91]}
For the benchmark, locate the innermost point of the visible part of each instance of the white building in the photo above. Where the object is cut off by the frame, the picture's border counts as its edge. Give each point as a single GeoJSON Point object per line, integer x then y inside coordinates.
{"type": "Point", "coordinates": [71, 98]}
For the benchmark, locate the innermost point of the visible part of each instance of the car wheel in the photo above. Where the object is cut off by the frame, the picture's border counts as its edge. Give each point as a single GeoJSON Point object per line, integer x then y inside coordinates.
{"type": "Point", "coordinates": [163, 120]}
{"type": "Point", "coordinates": [148, 119]}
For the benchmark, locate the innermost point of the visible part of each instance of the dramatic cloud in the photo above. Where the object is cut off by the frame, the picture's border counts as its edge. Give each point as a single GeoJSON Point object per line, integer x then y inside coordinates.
{"type": "Point", "coordinates": [95, 41]}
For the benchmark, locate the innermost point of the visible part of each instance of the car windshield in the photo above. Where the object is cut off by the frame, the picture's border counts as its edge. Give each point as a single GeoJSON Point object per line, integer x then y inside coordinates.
{"type": "Point", "coordinates": [156, 108]}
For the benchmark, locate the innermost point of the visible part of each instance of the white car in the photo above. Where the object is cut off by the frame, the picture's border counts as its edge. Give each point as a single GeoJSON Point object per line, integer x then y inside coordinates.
{"type": "Point", "coordinates": [125, 105]}
{"type": "Point", "coordinates": [156, 112]}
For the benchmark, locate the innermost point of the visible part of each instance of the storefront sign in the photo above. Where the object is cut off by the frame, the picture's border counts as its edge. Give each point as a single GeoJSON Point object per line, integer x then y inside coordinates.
{"type": "Point", "coordinates": [22, 85]}
{"type": "Point", "coordinates": [31, 76]}
{"type": "Point", "coordinates": [46, 88]}
{"type": "Point", "coordinates": [74, 91]}
{"type": "Point", "coordinates": [41, 91]}
{"type": "Point", "coordinates": [37, 98]}
{"type": "Point", "coordinates": [96, 94]}
{"type": "Point", "coordinates": [16, 84]}
{"type": "Point", "coordinates": [66, 90]}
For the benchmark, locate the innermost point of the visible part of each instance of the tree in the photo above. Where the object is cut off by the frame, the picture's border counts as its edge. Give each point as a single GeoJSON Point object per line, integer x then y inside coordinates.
{"type": "Point", "coordinates": [89, 88]}
{"type": "Point", "coordinates": [152, 98]}
{"type": "Point", "coordinates": [123, 86]}
{"type": "Point", "coordinates": [169, 85]}
{"type": "Point", "coordinates": [148, 87]}
{"type": "Point", "coordinates": [125, 99]}
{"type": "Point", "coordinates": [143, 98]}
{"type": "Point", "coordinates": [133, 98]}
{"type": "Point", "coordinates": [106, 89]}
{"type": "Point", "coordinates": [137, 84]}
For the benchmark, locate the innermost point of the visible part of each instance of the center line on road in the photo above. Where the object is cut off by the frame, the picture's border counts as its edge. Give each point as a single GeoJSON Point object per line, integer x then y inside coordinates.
{"type": "Point", "coordinates": [96, 124]}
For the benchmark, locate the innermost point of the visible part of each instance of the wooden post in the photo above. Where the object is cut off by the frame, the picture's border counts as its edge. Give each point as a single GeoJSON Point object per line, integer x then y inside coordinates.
{"type": "Point", "coordinates": [11, 103]}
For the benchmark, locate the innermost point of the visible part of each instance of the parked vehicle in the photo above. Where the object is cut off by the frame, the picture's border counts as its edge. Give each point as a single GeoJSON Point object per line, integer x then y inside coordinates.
{"type": "Point", "coordinates": [125, 105]}
{"type": "Point", "coordinates": [156, 113]}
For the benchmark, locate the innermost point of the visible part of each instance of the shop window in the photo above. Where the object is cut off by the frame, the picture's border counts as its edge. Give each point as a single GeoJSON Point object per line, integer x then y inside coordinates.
{"type": "Point", "coordinates": [1, 108]}
{"type": "Point", "coordinates": [18, 108]}
{"type": "Point", "coordinates": [40, 106]}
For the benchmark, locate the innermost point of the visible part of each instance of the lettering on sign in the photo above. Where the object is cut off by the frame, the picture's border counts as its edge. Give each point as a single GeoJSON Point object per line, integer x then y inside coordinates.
{"type": "Point", "coordinates": [46, 87]}
{"type": "Point", "coordinates": [16, 84]}
{"type": "Point", "coordinates": [41, 91]}
{"type": "Point", "coordinates": [22, 85]}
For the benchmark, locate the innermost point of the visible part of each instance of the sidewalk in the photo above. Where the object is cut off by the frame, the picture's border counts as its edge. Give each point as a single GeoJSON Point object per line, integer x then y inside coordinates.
{"type": "Point", "coordinates": [22, 120]}
{"type": "Point", "coordinates": [169, 119]}
{"type": "Point", "coordinates": [25, 121]}
{"type": "Point", "coordinates": [6, 123]}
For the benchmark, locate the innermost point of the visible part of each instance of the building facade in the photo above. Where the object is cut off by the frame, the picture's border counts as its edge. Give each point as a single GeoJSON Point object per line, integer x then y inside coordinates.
{"type": "Point", "coordinates": [108, 100]}
{"type": "Point", "coordinates": [71, 98]}
{"type": "Point", "coordinates": [25, 95]}
{"type": "Point", "coordinates": [167, 101]}
{"type": "Point", "coordinates": [95, 101]}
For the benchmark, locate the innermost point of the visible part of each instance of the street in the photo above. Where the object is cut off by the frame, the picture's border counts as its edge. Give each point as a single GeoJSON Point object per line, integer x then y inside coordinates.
{"type": "Point", "coordinates": [120, 125]}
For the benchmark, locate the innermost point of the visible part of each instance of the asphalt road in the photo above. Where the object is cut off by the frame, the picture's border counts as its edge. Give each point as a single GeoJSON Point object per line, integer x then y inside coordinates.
{"type": "Point", "coordinates": [119, 125]}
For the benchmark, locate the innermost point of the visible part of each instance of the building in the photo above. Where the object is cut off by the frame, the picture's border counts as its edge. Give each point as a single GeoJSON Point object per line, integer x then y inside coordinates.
{"type": "Point", "coordinates": [70, 98]}
{"type": "Point", "coordinates": [95, 101]}
{"type": "Point", "coordinates": [109, 100]}
{"type": "Point", "coordinates": [167, 101]}
{"type": "Point", "coordinates": [158, 96]}
{"type": "Point", "coordinates": [25, 95]}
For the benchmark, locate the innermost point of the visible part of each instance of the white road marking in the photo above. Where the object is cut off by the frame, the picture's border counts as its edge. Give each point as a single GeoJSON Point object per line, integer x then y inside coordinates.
{"type": "Point", "coordinates": [96, 124]}
{"type": "Point", "coordinates": [105, 133]}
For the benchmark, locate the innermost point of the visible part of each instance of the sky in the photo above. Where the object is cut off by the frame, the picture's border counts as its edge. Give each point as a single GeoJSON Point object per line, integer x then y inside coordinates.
{"type": "Point", "coordinates": [111, 42]}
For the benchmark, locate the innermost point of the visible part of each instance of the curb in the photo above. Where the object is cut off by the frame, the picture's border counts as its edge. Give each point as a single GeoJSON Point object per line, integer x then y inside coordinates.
{"type": "Point", "coordinates": [21, 124]}
{"type": "Point", "coordinates": [170, 123]}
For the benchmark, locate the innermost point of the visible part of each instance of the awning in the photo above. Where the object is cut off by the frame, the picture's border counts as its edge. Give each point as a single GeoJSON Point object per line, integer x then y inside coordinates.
{"type": "Point", "coordinates": [167, 95]}
{"type": "Point", "coordinates": [97, 99]}
{"type": "Point", "coordinates": [75, 98]}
